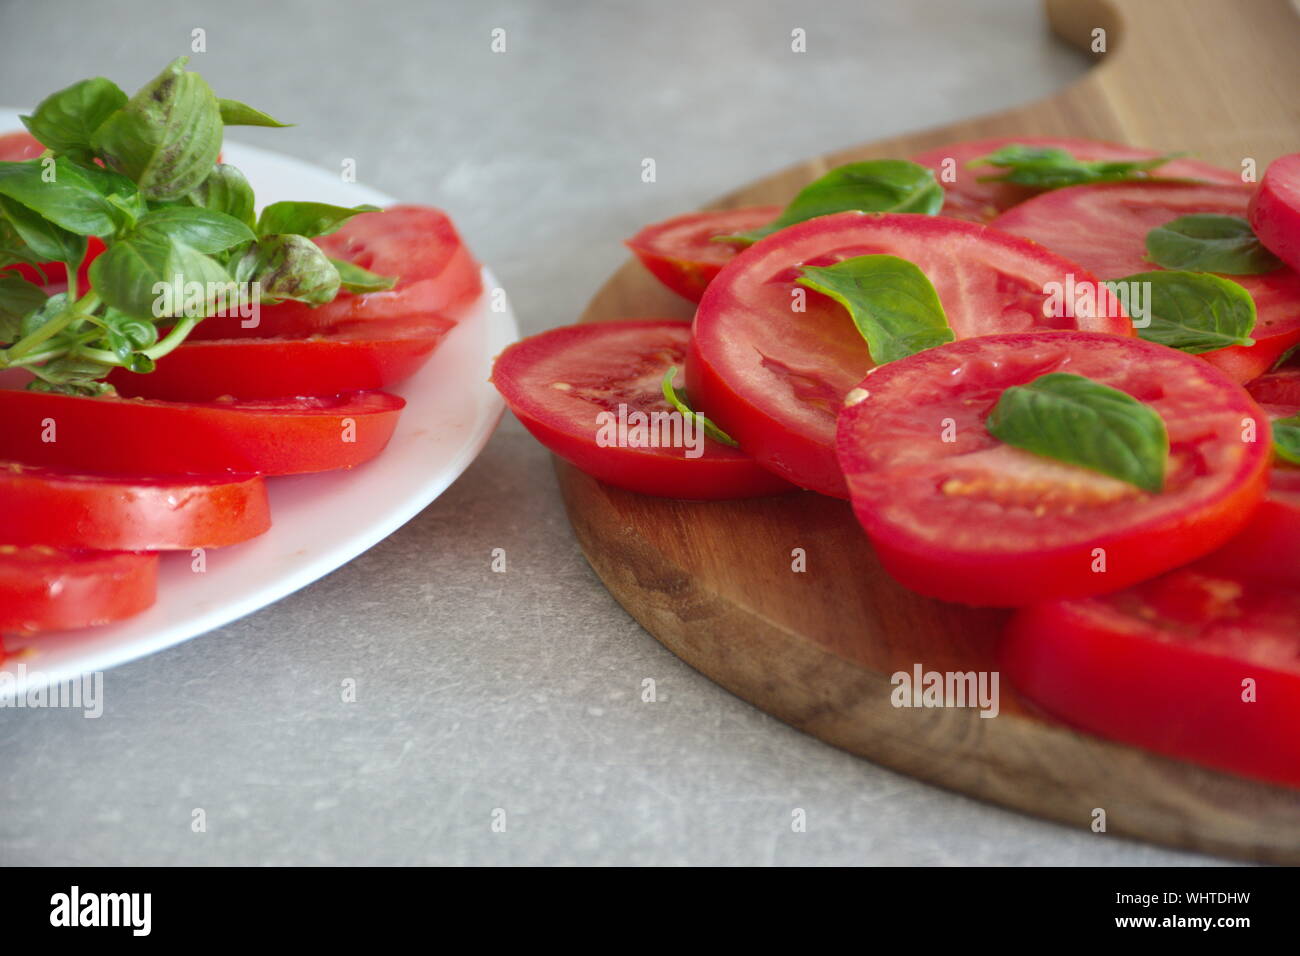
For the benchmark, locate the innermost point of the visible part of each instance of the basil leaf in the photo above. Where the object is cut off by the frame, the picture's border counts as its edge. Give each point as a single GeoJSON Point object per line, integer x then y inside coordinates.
{"type": "Point", "coordinates": [65, 121]}
{"type": "Point", "coordinates": [235, 113]}
{"type": "Point", "coordinates": [203, 230]}
{"type": "Point", "coordinates": [710, 429]}
{"type": "Point", "coordinates": [225, 190]}
{"type": "Point", "coordinates": [890, 300]}
{"type": "Point", "coordinates": [127, 335]}
{"type": "Point", "coordinates": [306, 218]}
{"type": "Point", "coordinates": [353, 278]}
{"type": "Point", "coordinates": [1210, 243]}
{"type": "Point", "coordinates": [18, 299]}
{"type": "Point", "coordinates": [877, 185]}
{"type": "Point", "coordinates": [1049, 167]}
{"type": "Point", "coordinates": [50, 242]}
{"type": "Point", "coordinates": [72, 375]}
{"type": "Point", "coordinates": [139, 273]}
{"type": "Point", "coordinates": [289, 267]}
{"type": "Point", "coordinates": [167, 136]}
{"type": "Point", "coordinates": [53, 306]}
{"type": "Point", "coordinates": [1286, 438]}
{"type": "Point", "coordinates": [1194, 311]}
{"type": "Point", "coordinates": [62, 193]}
{"type": "Point", "coordinates": [1073, 419]}
{"type": "Point", "coordinates": [1285, 357]}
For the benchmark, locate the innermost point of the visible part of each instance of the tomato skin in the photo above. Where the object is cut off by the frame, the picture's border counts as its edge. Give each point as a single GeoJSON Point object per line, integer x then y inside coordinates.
{"type": "Point", "coordinates": [774, 379]}
{"type": "Point", "coordinates": [42, 589]}
{"type": "Point", "coordinates": [1274, 211]}
{"type": "Point", "coordinates": [1120, 667]}
{"type": "Point", "coordinates": [136, 436]}
{"type": "Point", "coordinates": [620, 362]}
{"type": "Point", "coordinates": [1277, 388]}
{"type": "Point", "coordinates": [66, 510]}
{"type": "Point", "coordinates": [680, 253]}
{"type": "Point", "coordinates": [974, 521]}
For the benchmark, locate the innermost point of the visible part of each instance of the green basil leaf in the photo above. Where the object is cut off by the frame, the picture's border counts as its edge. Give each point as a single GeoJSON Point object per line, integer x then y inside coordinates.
{"type": "Point", "coordinates": [710, 429]}
{"type": "Point", "coordinates": [306, 218]}
{"type": "Point", "coordinates": [226, 190]}
{"type": "Point", "coordinates": [289, 267]}
{"type": "Point", "coordinates": [353, 278]}
{"type": "Point", "coordinates": [1286, 438]}
{"type": "Point", "coordinates": [52, 307]}
{"type": "Point", "coordinates": [167, 136]}
{"type": "Point", "coordinates": [876, 185]}
{"type": "Point", "coordinates": [204, 230]}
{"type": "Point", "coordinates": [890, 300]}
{"type": "Point", "coordinates": [63, 193]}
{"type": "Point", "coordinates": [1210, 243]}
{"type": "Point", "coordinates": [1194, 311]}
{"type": "Point", "coordinates": [1285, 357]}
{"type": "Point", "coordinates": [1073, 419]}
{"type": "Point", "coordinates": [127, 334]}
{"type": "Point", "coordinates": [49, 242]}
{"type": "Point", "coordinates": [65, 121]}
{"type": "Point", "coordinates": [1049, 167]}
{"type": "Point", "coordinates": [149, 275]}
{"type": "Point", "coordinates": [18, 299]}
{"type": "Point", "coordinates": [235, 113]}
{"type": "Point", "coordinates": [72, 375]}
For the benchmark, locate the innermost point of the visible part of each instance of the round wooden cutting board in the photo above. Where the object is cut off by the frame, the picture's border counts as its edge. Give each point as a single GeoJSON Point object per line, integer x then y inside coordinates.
{"type": "Point", "coordinates": [714, 582]}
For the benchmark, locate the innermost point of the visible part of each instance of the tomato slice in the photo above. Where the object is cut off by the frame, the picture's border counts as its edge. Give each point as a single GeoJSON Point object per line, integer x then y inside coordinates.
{"type": "Point", "coordinates": [42, 589]}
{"type": "Point", "coordinates": [135, 436]}
{"type": "Point", "coordinates": [19, 146]}
{"type": "Point", "coordinates": [1275, 209]}
{"type": "Point", "coordinates": [569, 385]}
{"type": "Point", "coordinates": [774, 378]}
{"type": "Point", "coordinates": [352, 356]}
{"type": "Point", "coordinates": [680, 252]}
{"type": "Point", "coordinates": [1104, 228]}
{"type": "Point", "coordinates": [436, 273]}
{"type": "Point", "coordinates": [968, 198]}
{"type": "Point", "coordinates": [973, 520]}
{"type": "Point", "coordinates": [62, 509]}
{"type": "Point", "coordinates": [1277, 388]}
{"type": "Point", "coordinates": [1195, 664]}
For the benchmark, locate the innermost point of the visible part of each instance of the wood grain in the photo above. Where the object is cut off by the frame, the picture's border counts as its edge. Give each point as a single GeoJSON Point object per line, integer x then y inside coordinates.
{"type": "Point", "coordinates": [713, 581]}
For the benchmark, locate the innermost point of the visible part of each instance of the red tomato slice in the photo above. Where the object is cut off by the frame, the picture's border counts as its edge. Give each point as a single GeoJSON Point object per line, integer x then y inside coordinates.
{"type": "Point", "coordinates": [968, 198]}
{"type": "Point", "coordinates": [680, 252]}
{"type": "Point", "coordinates": [62, 509]}
{"type": "Point", "coordinates": [974, 520]}
{"type": "Point", "coordinates": [418, 244]}
{"type": "Point", "coordinates": [1194, 664]}
{"type": "Point", "coordinates": [42, 589]}
{"type": "Point", "coordinates": [1104, 228]}
{"type": "Point", "coordinates": [350, 357]}
{"type": "Point", "coordinates": [774, 379]}
{"type": "Point", "coordinates": [1275, 209]}
{"type": "Point", "coordinates": [562, 383]}
{"type": "Point", "coordinates": [135, 436]}
{"type": "Point", "coordinates": [1277, 388]}
{"type": "Point", "coordinates": [19, 146]}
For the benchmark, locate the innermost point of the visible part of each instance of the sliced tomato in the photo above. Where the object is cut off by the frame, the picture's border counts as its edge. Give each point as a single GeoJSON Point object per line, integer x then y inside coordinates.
{"type": "Point", "coordinates": [955, 514]}
{"type": "Point", "coordinates": [1275, 209]}
{"type": "Point", "coordinates": [135, 436]}
{"type": "Point", "coordinates": [573, 386]}
{"type": "Point", "coordinates": [351, 356]}
{"type": "Point", "coordinates": [42, 589]}
{"type": "Point", "coordinates": [1104, 229]}
{"type": "Point", "coordinates": [1198, 665]}
{"type": "Point", "coordinates": [1277, 388]}
{"type": "Point", "coordinates": [680, 252]}
{"type": "Point", "coordinates": [775, 378]}
{"type": "Point", "coordinates": [19, 146]}
{"type": "Point", "coordinates": [419, 245]}
{"type": "Point", "coordinates": [62, 509]}
{"type": "Point", "coordinates": [965, 197]}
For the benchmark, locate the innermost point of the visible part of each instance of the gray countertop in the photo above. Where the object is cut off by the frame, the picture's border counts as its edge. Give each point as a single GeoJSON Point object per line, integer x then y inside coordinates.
{"type": "Point", "coordinates": [520, 691]}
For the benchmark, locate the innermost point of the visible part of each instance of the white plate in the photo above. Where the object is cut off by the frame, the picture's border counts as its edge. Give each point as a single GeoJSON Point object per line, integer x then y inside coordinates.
{"type": "Point", "coordinates": [319, 521]}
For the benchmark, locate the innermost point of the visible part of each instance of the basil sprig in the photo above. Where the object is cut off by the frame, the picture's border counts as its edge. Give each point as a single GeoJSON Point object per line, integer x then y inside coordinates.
{"type": "Point", "coordinates": [876, 185]}
{"type": "Point", "coordinates": [710, 429]}
{"type": "Point", "coordinates": [1194, 311]}
{"type": "Point", "coordinates": [889, 299]}
{"type": "Point", "coordinates": [1205, 242]}
{"type": "Point", "coordinates": [1075, 420]}
{"type": "Point", "coordinates": [140, 173]}
{"type": "Point", "coordinates": [1050, 167]}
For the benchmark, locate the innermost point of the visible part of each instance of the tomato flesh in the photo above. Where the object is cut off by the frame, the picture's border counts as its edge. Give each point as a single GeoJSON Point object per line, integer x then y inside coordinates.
{"type": "Point", "coordinates": [1274, 211]}
{"type": "Point", "coordinates": [565, 384]}
{"type": "Point", "coordinates": [680, 252]}
{"type": "Point", "coordinates": [136, 436]}
{"type": "Point", "coordinates": [955, 514]}
{"type": "Point", "coordinates": [1104, 228]}
{"type": "Point", "coordinates": [775, 378]}
{"type": "Point", "coordinates": [1196, 664]}
{"type": "Point", "coordinates": [42, 589]}
{"type": "Point", "coordinates": [968, 198]}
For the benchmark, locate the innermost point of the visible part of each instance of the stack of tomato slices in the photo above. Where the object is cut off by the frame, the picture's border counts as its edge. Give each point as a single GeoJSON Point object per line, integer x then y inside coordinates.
{"type": "Point", "coordinates": [96, 487]}
{"type": "Point", "coordinates": [1010, 444]}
